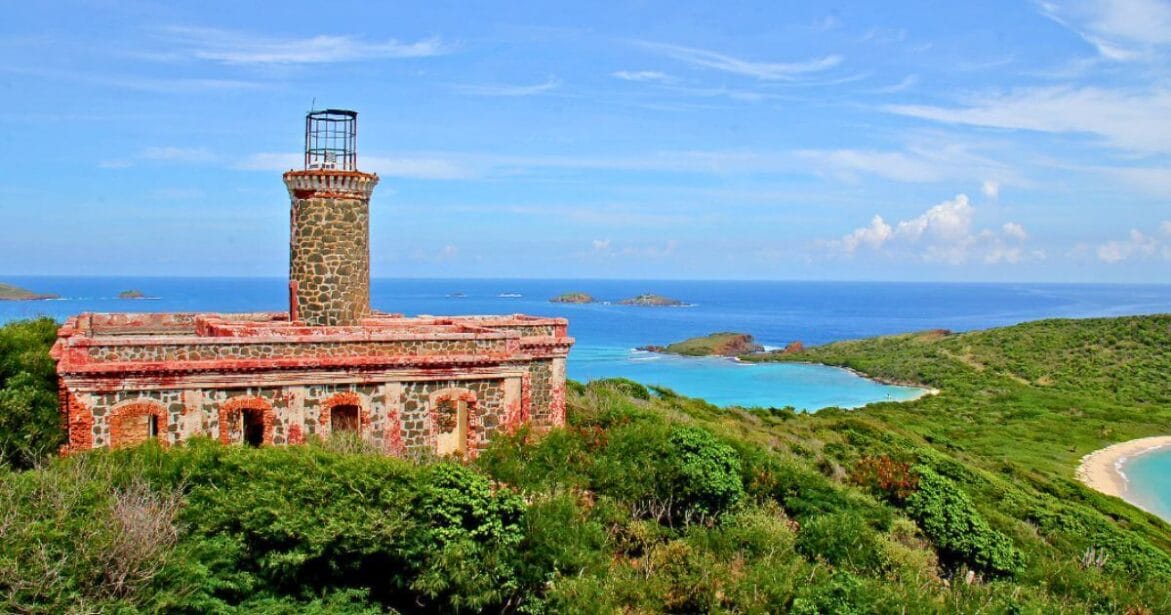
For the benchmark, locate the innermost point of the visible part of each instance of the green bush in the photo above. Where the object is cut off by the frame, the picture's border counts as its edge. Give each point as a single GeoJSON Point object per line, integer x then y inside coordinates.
{"type": "Point", "coordinates": [844, 540]}
{"type": "Point", "coordinates": [950, 519]}
{"type": "Point", "coordinates": [30, 425]}
{"type": "Point", "coordinates": [708, 471]}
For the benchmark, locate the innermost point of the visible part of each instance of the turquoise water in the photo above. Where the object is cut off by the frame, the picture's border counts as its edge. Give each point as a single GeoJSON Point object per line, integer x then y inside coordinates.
{"type": "Point", "coordinates": [726, 382]}
{"type": "Point", "coordinates": [1149, 481]}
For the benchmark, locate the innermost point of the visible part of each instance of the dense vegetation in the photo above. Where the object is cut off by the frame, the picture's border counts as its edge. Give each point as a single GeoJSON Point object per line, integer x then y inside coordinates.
{"type": "Point", "coordinates": [647, 501]}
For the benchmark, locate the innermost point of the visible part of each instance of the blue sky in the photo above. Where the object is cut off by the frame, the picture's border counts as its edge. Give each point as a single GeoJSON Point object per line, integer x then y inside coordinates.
{"type": "Point", "coordinates": [993, 141]}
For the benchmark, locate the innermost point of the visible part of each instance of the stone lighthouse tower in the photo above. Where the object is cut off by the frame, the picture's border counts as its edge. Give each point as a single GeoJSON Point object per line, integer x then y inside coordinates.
{"type": "Point", "coordinates": [329, 234]}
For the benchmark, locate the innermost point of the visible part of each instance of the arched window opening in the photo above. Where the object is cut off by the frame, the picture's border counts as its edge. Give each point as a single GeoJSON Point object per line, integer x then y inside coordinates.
{"type": "Point", "coordinates": [451, 428]}
{"type": "Point", "coordinates": [344, 418]}
{"type": "Point", "coordinates": [136, 423]}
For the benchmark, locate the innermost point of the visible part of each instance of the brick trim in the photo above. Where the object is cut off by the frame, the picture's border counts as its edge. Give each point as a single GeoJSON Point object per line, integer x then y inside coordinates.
{"type": "Point", "coordinates": [474, 437]}
{"type": "Point", "coordinates": [135, 409]}
{"type": "Point", "coordinates": [230, 410]}
{"type": "Point", "coordinates": [345, 398]}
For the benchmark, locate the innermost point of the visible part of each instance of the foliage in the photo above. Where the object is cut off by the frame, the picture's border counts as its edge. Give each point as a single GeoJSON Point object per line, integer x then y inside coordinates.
{"type": "Point", "coordinates": [949, 517]}
{"type": "Point", "coordinates": [30, 426]}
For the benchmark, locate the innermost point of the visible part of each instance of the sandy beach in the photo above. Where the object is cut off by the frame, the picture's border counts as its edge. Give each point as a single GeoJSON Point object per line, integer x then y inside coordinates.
{"type": "Point", "coordinates": [1100, 469]}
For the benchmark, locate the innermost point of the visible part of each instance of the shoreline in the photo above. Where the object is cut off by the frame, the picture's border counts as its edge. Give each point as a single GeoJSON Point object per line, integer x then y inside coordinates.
{"type": "Point", "coordinates": [1101, 470]}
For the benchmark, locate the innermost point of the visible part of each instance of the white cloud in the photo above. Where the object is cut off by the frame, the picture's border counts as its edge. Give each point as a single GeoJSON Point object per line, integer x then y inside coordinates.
{"type": "Point", "coordinates": [501, 89]}
{"type": "Point", "coordinates": [873, 236]}
{"type": "Point", "coordinates": [765, 71]}
{"type": "Point", "coordinates": [944, 233]}
{"type": "Point", "coordinates": [178, 154]}
{"type": "Point", "coordinates": [1014, 230]}
{"type": "Point", "coordinates": [1129, 120]}
{"type": "Point", "coordinates": [643, 75]}
{"type": "Point", "coordinates": [1120, 30]}
{"type": "Point", "coordinates": [232, 47]}
{"type": "Point", "coordinates": [601, 245]}
{"type": "Point", "coordinates": [1137, 246]}
{"type": "Point", "coordinates": [906, 83]}
{"type": "Point", "coordinates": [990, 188]}
{"type": "Point", "coordinates": [918, 163]}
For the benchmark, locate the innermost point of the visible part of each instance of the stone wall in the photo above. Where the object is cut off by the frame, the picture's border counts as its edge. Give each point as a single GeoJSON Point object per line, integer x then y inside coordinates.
{"type": "Point", "coordinates": [292, 349]}
{"type": "Point", "coordinates": [541, 390]}
{"type": "Point", "coordinates": [329, 259]}
{"type": "Point", "coordinates": [483, 420]}
{"type": "Point", "coordinates": [395, 416]}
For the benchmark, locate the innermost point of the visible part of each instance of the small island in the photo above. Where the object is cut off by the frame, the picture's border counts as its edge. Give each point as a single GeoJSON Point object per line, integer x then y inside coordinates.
{"type": "Point", "coordinates": [131, 294]}
{"type": "Point", "coordinates": [724, 344]}
{"type": "Point", "coordinates": [9, 292]}
{"type": "Point", "coordinates": [576, 297]}
{"type": "Point", "coordinates": [650, 300]}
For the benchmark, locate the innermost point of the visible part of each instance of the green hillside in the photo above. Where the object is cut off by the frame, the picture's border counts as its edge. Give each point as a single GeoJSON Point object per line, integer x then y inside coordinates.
{"type": "Point", "coordinates": [646, 502]}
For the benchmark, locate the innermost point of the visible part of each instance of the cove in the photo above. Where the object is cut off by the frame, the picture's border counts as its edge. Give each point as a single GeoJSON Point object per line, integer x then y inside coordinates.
{"type": "Point", "coordinates": [1148, 481]}
{"type": "Point", "coordinates": [725, 382]}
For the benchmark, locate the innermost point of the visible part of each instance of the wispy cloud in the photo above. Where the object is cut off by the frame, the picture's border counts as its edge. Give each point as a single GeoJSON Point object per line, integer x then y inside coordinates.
{"type": "Point", "coordinates": [233, 47]}
{"type": "Point", "coordinates": [178, 154]}
{"type": "Point", "coordinates": [1132, 120]}
{"type": "Point", "coordinates": [501, 89]}
{"type": "Point", "coordinates": [643, 75]}
{"type": "Point", "coordinates": [1119, 30]}
{"type": "Point", "coordinates": [904, 84]}
{"type": "Point", "coordinates": [765, 71]}
{"type": "Point", "coordinates": [944, 234]}
{"type": "Point", "coordinates": [160, 85]}
{"type": "Point", "coordinates": [921, 162]}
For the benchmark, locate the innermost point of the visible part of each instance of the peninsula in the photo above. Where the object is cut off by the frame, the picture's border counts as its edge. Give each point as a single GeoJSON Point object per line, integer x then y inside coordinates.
{"type": "Point", "coordinates": [725, 344]}
{"type": "Point", "coordinates": [9, 292]}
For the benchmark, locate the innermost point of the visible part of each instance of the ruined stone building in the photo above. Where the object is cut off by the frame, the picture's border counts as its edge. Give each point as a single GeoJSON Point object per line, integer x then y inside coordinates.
{"type": "Point", "coordinates": [331, 364]}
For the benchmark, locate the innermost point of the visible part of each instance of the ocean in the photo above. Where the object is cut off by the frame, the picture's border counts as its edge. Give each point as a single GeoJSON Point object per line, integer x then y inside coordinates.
{"type": "Point", "coordinates": [776, 313]}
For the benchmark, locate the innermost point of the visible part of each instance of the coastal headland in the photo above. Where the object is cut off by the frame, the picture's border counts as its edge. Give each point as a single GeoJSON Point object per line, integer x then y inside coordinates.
{"type": "Point", "coordinates": [8, 292]}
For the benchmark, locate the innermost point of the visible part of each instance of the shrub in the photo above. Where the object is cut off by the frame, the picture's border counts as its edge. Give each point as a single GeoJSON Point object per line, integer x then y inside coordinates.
{"type": "Point", "coordinates": [708, 480]}
{"type": "Point", "coordinates": [948, 516]}
{"type": "Point", "coordinates": [843, 539]}
{"type": "Point", "coordinates": [30, 426]}
{"type": "Point", "coordinates": [883, 476]}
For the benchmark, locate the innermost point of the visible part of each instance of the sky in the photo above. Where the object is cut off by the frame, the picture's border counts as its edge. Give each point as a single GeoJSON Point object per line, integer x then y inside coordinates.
{"type": "Point", "coordinates": [934, 141]}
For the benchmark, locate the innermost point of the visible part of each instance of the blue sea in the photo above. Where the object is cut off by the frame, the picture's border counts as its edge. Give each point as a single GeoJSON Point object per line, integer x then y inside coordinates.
{"type": "Point", "coordinates": [607, 333]}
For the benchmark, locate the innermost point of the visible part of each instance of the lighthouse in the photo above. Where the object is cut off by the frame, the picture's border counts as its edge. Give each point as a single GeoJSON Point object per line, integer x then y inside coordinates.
{"type": "Point", "coordinates": [329, 225]}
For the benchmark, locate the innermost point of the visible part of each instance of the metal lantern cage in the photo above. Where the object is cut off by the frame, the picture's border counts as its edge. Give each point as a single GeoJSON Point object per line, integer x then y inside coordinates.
{"type": "Point", "coordinates": [331, 139]}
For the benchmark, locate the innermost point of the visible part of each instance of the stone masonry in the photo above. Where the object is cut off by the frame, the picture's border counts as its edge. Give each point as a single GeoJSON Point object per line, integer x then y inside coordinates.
{"type": "Point", "coordinates": [329, 247]}
{"type": "Point", "coordinates": [329, 363]}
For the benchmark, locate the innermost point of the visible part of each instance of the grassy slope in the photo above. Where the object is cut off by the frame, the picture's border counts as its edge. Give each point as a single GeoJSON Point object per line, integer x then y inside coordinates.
{"type": "Point", "coordinates": [1041, 394]}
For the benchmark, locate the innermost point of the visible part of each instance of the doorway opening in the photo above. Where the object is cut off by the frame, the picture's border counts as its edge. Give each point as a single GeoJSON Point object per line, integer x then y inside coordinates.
{"type": "Point", "coordinates": [252, 424]}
